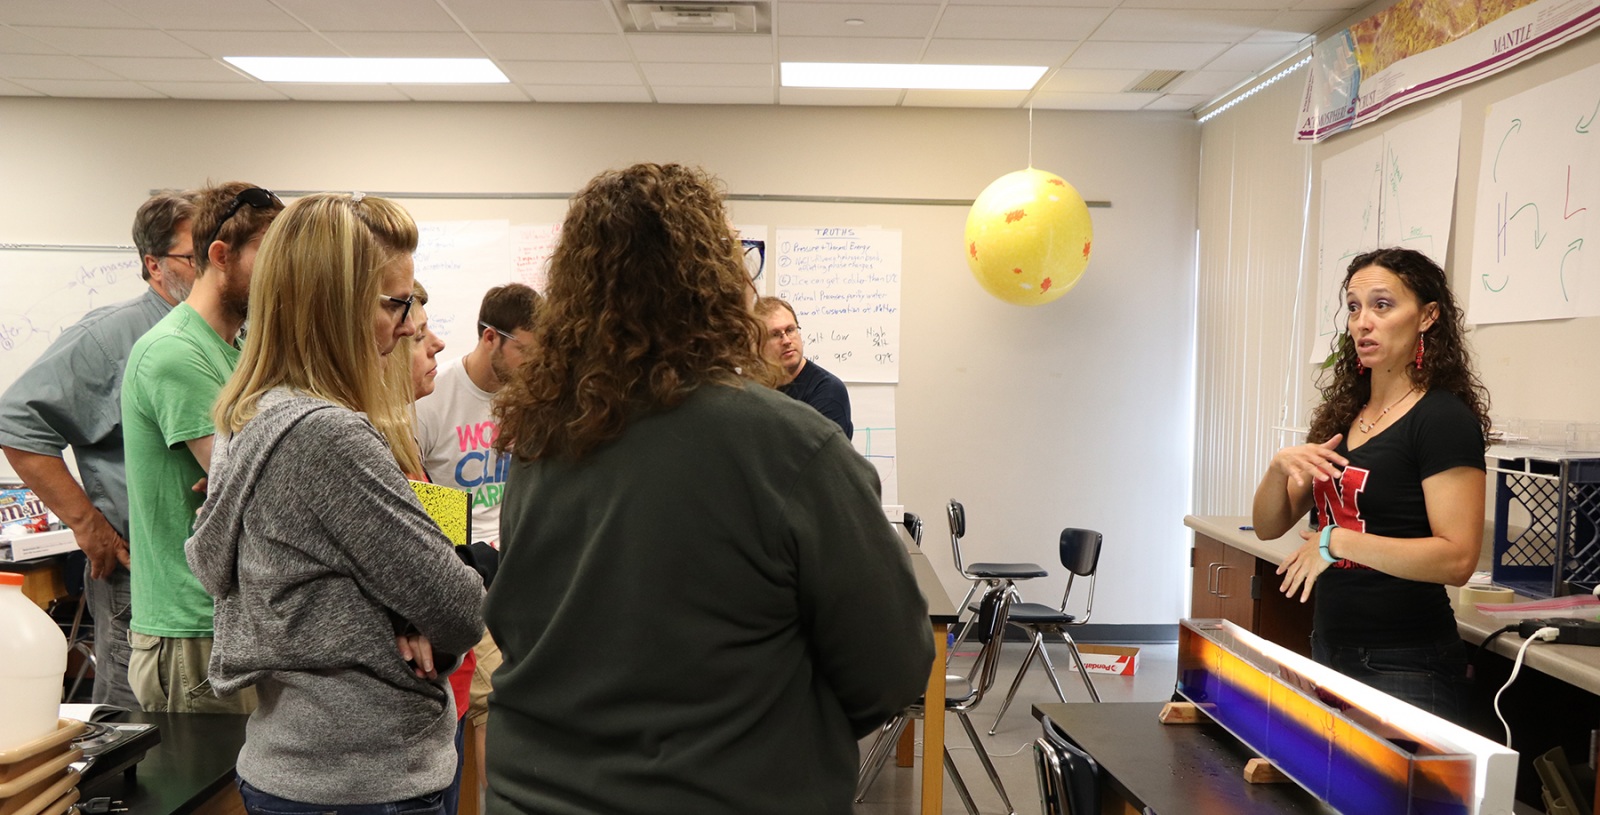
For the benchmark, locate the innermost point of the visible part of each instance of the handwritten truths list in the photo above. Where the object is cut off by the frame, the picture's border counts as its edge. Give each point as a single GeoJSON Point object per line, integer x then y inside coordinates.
{"type": "Point", "coordinates": [844, 285]}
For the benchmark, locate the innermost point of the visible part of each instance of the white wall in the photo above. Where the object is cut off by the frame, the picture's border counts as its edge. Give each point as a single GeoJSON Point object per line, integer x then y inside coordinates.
{"type": "Point", "coordinates": [1072, 414]}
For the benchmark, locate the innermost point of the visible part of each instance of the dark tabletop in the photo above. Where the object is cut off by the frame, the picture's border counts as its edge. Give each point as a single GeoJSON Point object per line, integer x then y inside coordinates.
{"type": "Point", "coordinates": [1174, 769]}
{"type": "Point", "coordinates": [194, 760]}
{"type": "Point", "coordinates": [940, 609]}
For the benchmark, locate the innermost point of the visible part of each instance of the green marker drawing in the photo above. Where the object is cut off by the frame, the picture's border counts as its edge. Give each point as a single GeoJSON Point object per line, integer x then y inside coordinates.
{"type": "Point", "coordinates": [1571, 247]}
{"type": "Point", "coordinates": [1516, 124]}
{"type": "Point", "coordinates": [1538, 239]}
{"type": "Point", "coordinates": [1583, 126]}
{"type": "Point", "coordinates": [1493, 289]}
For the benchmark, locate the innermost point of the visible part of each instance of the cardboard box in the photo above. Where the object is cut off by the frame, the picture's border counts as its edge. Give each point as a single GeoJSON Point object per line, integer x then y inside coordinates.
{"type": "Point", "coordinates": [37, 545]}
{"type": "Point", "coordinates": [1119, 660]}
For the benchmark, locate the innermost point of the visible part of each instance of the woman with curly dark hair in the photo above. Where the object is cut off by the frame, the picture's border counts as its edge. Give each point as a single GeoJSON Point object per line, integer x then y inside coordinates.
{"type": "Point", "coordinates": [700, 603]}
{"type": "Point", "coordinates": [1393, 474]}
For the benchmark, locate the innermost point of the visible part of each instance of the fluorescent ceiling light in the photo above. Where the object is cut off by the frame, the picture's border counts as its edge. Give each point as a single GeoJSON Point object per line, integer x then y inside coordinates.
{"type": "Point", "coordinates": [370, 71]}
{"type": "Point", "coordinates": [920, 77]}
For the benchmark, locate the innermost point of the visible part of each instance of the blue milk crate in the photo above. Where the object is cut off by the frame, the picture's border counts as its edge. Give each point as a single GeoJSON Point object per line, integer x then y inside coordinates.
{"type": "Point", "coordinates": [1547, 522]}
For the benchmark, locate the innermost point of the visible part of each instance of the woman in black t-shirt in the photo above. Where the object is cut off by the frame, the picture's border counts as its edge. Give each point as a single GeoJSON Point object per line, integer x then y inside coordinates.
{"type": "Point", "coordinates": [1393, 474]}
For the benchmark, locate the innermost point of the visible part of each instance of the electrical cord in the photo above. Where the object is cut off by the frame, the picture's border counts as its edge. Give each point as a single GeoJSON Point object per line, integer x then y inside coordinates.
{"type": "Point", "coordinates": [1472, 661]}
{"type": "Point", "coordinates": [1548, 634]}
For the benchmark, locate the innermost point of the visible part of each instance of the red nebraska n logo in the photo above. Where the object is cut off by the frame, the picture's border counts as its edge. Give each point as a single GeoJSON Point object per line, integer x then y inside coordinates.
{"type": "Point", "coordinates": [1338, 500]}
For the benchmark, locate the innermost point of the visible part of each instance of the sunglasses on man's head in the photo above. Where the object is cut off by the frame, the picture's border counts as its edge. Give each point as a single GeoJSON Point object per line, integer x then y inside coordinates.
{"type": "Point", "coordinates": [255, 197]}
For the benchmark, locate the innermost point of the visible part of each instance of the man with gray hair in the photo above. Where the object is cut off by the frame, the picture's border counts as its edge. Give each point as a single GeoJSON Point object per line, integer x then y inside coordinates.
{"type": "Point", "coordinates": [71, 396]}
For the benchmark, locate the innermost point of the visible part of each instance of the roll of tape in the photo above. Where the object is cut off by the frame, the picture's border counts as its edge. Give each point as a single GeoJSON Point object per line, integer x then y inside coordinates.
{"type": "Point", "coordinates": [1472, 595]}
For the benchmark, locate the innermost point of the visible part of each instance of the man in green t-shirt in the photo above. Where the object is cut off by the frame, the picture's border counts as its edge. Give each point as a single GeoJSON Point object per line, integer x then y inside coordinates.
{"type": "Point", "coordinates": [173, 376]}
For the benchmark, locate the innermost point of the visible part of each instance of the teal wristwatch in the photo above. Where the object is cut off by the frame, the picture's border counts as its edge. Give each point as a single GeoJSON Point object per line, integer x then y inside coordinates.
{"type": "Point", "coordinates": [1322, 546]}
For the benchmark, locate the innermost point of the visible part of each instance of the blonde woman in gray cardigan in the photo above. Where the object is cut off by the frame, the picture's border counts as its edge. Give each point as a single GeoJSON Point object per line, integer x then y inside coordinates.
{"type": "Point", "coordinates": [337, 597]}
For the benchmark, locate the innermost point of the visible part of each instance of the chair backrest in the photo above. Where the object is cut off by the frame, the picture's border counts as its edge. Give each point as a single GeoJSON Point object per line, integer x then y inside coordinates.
{"type": "Point", "coordinates": [1080, 554]}
{"type": "Point", "coordinates": [1068, 777]}
{"type": "Point", "coordinates": [993, 611]}
{"type": "Point", "coordinates": [956, 514]}
{"type": "Point", "coordinates": [913, 524]}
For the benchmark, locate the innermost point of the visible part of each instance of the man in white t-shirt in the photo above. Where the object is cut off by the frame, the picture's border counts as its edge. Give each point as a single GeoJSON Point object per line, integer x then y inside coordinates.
{"type": "Point", "coordinates": [455, 425]}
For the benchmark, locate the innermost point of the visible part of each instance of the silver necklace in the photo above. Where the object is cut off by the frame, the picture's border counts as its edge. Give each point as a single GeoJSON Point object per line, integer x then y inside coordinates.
{"type": "Point", "coordinates": [1365, 426]}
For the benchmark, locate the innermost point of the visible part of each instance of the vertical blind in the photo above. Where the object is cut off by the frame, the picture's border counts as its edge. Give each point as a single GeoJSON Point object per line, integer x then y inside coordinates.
{"type": "Point", "coordinates": [1255, 268]}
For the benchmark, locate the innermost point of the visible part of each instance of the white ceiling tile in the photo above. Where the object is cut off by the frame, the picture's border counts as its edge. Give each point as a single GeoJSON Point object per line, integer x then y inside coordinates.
{"type": "Point", "coordinates": [1221, 5]}
{"type": "Point", "coordinates": [13, 41]}
{"type": "Point", "coordinates": [13, 89]}
{"type": "Point", "coordinates": [1213, 83]}
{"type": "Point", "coordinates": [1175, 56]}
{"type": "Point", "coordinates": [47, 66]}
{"type": "Point", "coordinates": [1346, 6]}
{"type": "Point", "coordinates": [847, 97]}
{"type": "Point", "coordinates": [964, 99]}
{"type": "Point", "coordinates": [1090, 101]}
{"type": "Point", "coordinates": [997, 52]}
{"type": "Point", "coordinates": [1180, 25]}
{"type": "Point", "coordinates": [248, 91]}
{"type": "Point", "coordinates": [701, 47]}
{"type": "Point", "coordinates": [155, 69]}
{"type": "Point", "coordinates": [536, 16]}
{"type": "Point", "coordinates": [238, 15]}
{"type": "Point", "coordinates": [66, 13]}
{"type": "Point", "coordinates": [405, 44]}
{"type": "Point", "coordinates": [1090, 80]}
{"type": "Point", "coordinates": [1018, 22]}
{"type": "Point", "coordinates": [878, 20]}
{"type": "Point", "coordinates": [319, 92]}
{"type": "Point", "coordinates": [465, 93]}
{"type": "Point", "coordinates": [571, 73]}
{"type": "Point", "coordinates": [588, 93]}
{"type": "Point", "coordinates": [371, 15]}
{"type": "Point", "coordinates": [556, 47]}
{"type": "Point", "coordinates": [112, 42]}
{"type": "Point", "coordinates": [90, 89]}
{"type": "Point", "coordinates": [259, 43]}
{"type": "Point", "coordinates": [708, 75]}
{"type": "Point", "coordinates": [1293, 26]}
{"type": "Point", "coordinates": [713, 96]}
{"type": "Point", "coordinates": [848, 49]}
{"type": "Point", "coordinates": [1251, 56]}
{"type": "Point", "coordinates": [1177, 101]}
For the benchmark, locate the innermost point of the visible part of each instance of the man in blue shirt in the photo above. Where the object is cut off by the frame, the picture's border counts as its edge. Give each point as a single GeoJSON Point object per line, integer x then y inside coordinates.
{"type": "Point", "coordinates": [804, 380]}
{"type": "Point", "coordinates": [70, 396]}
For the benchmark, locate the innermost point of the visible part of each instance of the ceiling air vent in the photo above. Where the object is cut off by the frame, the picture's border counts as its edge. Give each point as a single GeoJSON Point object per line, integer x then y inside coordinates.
{"type": "Point", "coordinates": [1154, 82]}
{"type": "Point", "coordinates": [697, 18]}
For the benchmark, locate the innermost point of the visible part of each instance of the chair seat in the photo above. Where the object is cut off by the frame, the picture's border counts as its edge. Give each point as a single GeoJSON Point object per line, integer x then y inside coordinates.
{"type": "Point", "coordinates": [1013, 571]}
{"type": "Point", "coordinates": [1039, 614]}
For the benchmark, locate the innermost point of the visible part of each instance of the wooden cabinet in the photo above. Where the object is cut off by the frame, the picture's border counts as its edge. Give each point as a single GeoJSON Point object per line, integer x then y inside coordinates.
{"type": "Point", "coordinates": [1237, 586]}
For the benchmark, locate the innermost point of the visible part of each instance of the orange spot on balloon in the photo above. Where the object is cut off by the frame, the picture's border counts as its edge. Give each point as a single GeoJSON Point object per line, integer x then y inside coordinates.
{"type": "Point", "coordinates": [1045, 286]}
{"type": "Point", "coordinates": [1016, 271]}
{"type": "Point", "coordinates": [973, 248]}
{"type": "Point", "coordinates": [1016, 215]}
{"type": "Point", "coordinates": [1056, 181]}
{"type": "Point", "coordinates": [1085, 248]}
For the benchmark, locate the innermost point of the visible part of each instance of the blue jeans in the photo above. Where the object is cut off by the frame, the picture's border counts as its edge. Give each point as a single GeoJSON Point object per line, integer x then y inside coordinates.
{"type": "Point", "coordinates": [1432, 676]}
{"type": "Point", "coordinates": [111, 605]}
{"type": "Point", "coordinates": [257, 802]}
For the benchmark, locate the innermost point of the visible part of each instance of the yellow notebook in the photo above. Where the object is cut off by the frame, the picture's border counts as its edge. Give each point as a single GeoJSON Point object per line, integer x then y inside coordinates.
{"type": "Point", "coordinates": [449, 508]}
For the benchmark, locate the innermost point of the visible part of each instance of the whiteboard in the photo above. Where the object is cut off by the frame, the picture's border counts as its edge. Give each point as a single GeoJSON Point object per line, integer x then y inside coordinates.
{"type": "Point", "coordinates": [844, 285]}
{"type": "Point", "coordinates": [44, 291]}
{"type": "Point", "coordinates": [1538, 187]}
{"type": "Point", "coordinates": [458, 261]}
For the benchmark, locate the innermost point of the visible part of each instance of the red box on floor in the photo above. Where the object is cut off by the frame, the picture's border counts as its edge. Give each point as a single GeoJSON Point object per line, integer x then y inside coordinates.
{"type": "Point", "coordinates": [1119, 660]}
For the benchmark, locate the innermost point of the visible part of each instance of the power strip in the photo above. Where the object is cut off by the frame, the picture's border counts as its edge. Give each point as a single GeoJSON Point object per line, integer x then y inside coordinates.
{"type": "Point", "coordinates": [1569, 630]}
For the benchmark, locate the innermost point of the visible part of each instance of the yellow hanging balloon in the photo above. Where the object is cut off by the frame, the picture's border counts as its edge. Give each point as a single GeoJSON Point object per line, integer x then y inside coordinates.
{"type": "Point", "coordinates": [1028, 237]}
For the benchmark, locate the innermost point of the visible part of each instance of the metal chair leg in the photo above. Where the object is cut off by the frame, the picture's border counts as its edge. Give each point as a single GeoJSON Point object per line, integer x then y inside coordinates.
{"type": "Point", "coordinates": [988, 764]}
{"type": "Point", "coordinates": [961, 786]}
{"type": "Point", "coordinates": [1072, 648]}
{"type": "Point", "coordinates": [1050, 668]}
{"type": "Point", "coordinates": [1038, 644]}
{"type": "Point", "coordinates": [872, 765]}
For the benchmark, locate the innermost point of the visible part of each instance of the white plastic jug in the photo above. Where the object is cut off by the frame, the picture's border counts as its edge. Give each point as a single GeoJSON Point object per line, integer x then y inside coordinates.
{"type": "Point", "coordinates": [33, 658]}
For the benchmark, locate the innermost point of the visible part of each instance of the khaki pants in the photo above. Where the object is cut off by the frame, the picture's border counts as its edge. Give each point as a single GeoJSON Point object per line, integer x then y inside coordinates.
{"type": "Point", "coordinates": [168, 674]}
{"type": "Point", "coordinates": [488, 660]}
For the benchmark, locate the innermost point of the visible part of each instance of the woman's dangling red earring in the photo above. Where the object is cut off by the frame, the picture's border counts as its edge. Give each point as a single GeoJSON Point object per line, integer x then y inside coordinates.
{"type": "Point", "coordinates": [1419, 352]}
